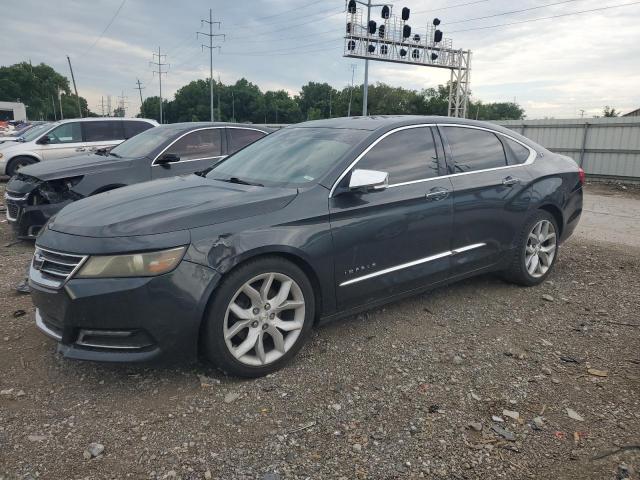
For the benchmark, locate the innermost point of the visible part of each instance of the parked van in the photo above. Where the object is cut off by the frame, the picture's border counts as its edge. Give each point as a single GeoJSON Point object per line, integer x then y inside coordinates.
{"type": "Point", "coordinates": [68, 137]}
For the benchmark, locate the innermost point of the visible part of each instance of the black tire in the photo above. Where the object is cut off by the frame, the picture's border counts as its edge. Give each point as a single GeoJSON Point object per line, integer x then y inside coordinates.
{"type": "Point", "coordinates": [17, 163]}
{"type": "Point", "coordinates": [213, 341]}
{"type": "Point", "coordinates": [517, 271]}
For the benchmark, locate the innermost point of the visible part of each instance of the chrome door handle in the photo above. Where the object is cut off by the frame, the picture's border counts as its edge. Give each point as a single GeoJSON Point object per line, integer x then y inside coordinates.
{"type": "Point", "coordinates": [80, 149]}
{"type": "Point", "coordinates": [509, 181]}
{"type": "Point", "coordinates": [435, 195]}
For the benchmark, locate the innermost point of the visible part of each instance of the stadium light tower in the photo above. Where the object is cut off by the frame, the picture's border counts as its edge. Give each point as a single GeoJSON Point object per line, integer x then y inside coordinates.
{"type": "Point", "coordinates": [393, 41]}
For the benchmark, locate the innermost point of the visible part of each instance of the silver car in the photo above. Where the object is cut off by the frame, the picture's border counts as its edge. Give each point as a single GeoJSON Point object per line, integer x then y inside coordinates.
{"type": "Point", "coordinates": [67, 138]}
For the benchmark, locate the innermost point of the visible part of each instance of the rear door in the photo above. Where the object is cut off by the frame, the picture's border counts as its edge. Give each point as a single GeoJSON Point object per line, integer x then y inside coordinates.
{"type": "Point", "coordinates": [64, 141]}
{"type": "Point", "coordinates": [197, 151]}
{"type": "Point", "coordinates": [396, 239]}
{"type": "Point", "coordinates": [238, 138]}
{"type": "Point", "coordinates": [490, 196]}
{"type": "Point", "coordinates": [102, 134]}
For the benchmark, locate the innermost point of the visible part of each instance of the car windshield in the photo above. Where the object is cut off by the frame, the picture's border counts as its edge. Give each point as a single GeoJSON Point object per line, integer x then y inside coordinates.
{"type": "Point", "coordinates": [36, 131]}
{"type": "Point", "coordinates": [292, 156]}
{"type": "Point", "coordinates": [143, 144]}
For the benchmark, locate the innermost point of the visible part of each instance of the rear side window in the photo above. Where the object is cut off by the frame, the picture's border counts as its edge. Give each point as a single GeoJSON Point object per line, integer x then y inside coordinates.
{"type": "Point", "coordinates": [132, 128]}
{"type": "Point", "coordinates": [516, 152]}
{"type": "Point", "coordinates": [66, 133]}
{"type": "Point", "coordinates": [406, 155]}
{"type": "Point", "coordinates": [241, 137]}
{"type": "Point", "coordinates": [103, 131]}
{"type": "Point", "coordinates": [198, 144]}
{"type": "Point", "coordinates": [474, 149]}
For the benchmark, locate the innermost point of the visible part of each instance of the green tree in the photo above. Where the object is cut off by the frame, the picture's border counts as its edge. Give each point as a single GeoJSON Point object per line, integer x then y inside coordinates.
{"type": "Point", "coordinates": [281, 108]}
{"type": "Point", "coordinates": [38, 87]}
{"type": "Point", "coordinates": [317, 97]}
{"type": "Point", "coordinates": [610, 112]}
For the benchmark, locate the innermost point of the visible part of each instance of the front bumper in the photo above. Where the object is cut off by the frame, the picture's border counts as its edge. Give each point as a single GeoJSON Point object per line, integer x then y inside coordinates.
{"type": "Point", "coordinates": [126, 319]}
{"type": "Point", "coordinates": [27, 220]}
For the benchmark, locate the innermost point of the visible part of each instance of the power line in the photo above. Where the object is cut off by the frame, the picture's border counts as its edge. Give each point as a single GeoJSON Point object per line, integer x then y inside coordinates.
{"type": "Point", "coordinates": [452, 6]}
{"type": "Point", "coordinates": [277, 14]}
{"type": "Point", "coordinates": [107, 27]}
{"type": "Point", "coordinates": [610, 7]}
{"type": "Point", "coordinates": [513, 11]}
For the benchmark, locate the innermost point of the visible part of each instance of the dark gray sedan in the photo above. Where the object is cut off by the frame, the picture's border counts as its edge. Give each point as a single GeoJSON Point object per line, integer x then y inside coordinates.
{"type": "Point", "coordinates": [41, 190]}
{"type": "Point", "coordinates": [316, 221]}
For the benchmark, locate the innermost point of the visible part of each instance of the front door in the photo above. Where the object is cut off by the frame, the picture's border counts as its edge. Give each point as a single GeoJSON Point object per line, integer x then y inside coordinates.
{"type": "Point", "coordinates": [490, 196]}
{"type": "Point", "coordinates": [197, 151]}
{"type": "Point", "coordinates": [64, 141]}
{"type": "Point", "coordinates": [396, 239]}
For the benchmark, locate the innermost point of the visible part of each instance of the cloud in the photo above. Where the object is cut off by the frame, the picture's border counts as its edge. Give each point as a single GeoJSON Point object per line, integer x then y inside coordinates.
{"type": "Point", "coordinates": [553, 67]}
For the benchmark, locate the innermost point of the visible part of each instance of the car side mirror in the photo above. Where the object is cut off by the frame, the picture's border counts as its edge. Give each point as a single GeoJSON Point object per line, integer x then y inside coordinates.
{"type": "Point", "coordinates": [44, 140]}
{"type": "Point", "coordinates": [167, 159]}
{"type": "Point", "coordinates": [366, 180]}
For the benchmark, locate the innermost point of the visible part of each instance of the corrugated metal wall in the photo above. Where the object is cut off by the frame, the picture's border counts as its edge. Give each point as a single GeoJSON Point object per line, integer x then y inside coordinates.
{"type": "Point", "coordinates": [603, 146]}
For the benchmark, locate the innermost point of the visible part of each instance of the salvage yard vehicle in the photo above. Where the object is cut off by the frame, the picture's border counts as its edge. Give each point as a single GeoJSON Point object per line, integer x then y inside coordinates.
{"type": "Point", "coordinates": [316, 221]}
{"type": "Point", "coordinates": [66, 138]}
{"type": "Point", "coordinates": [39, 191]}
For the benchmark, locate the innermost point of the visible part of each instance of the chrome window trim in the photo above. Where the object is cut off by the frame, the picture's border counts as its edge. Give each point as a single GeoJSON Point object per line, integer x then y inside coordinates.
{"type": "Point", "coordinates": [153, 163]}
{"type": "Point", "coordinates": [532, 154]}
{"type": "Point", "coordinates": [420, 261]}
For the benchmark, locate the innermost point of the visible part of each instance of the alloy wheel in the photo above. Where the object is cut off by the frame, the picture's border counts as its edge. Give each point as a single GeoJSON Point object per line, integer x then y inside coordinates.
{"type": "Point", "coordinates": [541, 248]}
{"type": "Point", "coordinates": [264, 319]}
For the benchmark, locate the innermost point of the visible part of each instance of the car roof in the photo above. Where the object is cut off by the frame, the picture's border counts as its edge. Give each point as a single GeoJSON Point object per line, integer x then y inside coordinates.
{"type": "Point", "coordinates": [186, 126]}
{"type": "Point", "coordinates": [377, 122]}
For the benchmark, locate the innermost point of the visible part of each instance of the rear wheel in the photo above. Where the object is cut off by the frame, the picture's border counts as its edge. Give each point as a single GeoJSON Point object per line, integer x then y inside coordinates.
{"type": "Point", "coordinates": [17, 163]}
{"type": "Point", "coordinates": [536, 252]}
{"type": "Point", "coordinates": [260, 317]}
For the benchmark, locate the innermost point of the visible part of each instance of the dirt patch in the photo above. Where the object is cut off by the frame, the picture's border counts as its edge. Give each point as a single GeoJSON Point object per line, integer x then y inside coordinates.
{"type": "Point", "coordinates": [404, 391]}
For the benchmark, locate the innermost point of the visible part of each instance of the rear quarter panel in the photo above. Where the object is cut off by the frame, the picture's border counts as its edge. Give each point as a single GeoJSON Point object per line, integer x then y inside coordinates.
{"type": "Point", "coordinates": [557, 185]}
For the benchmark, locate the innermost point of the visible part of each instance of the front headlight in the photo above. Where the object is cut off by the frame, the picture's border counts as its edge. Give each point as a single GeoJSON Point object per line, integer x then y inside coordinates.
{"type": "Point", "coordinates": [148, 264]}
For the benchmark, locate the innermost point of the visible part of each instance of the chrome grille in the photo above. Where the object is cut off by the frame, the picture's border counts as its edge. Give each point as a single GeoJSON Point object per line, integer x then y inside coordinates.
{"type": "Point", "coordinates": [12, 211]}
{"type": "Point", "coordinates": [56, 266]}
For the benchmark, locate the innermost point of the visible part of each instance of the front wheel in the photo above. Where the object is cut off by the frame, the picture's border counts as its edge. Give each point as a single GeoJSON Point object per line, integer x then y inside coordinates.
{"type": "Point", "coordinates": [537, 250]}
{"type": "Point", "coordinates": [260, 317]}
{"type": "Point", "coordinates": [17, 163]}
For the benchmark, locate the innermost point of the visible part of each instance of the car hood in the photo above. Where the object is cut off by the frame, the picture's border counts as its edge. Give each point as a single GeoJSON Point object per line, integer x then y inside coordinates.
{"type": "Point", "coordinates": [75, 166]}
{"type": "Point", "coordinates": [167, 205]}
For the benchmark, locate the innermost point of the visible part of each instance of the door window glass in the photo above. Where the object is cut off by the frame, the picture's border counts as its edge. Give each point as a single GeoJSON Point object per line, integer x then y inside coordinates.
{"type": "Point", "coordinates": [103, 131]}
{"type": "Point", "coordinates": [516, 152]}
{"type": "Point", "coordinates": [132, 128]}
{"type": "Point", "coordinates": [198, 144]}
{"type": "Point", "coordinates": [406, 155]}
{"type": "Point", "coordinates": [241, 137]}
{"type": "Point", "coordinates": [66, 133]}
{"type": "Point", "coordinates": [474, 149]}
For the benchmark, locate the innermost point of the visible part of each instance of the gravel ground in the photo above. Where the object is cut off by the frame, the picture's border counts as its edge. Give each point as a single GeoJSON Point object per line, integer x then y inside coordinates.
{"type": "Point", "coordinates": [481, 379]}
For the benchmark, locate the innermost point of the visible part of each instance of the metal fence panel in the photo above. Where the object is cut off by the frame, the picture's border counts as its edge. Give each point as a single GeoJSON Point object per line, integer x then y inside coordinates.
{"type": "Point", "coordinates": [608, 147]}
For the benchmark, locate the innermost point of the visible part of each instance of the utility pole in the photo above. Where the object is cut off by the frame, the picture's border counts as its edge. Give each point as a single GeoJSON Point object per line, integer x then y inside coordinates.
{"type": "Point", "coordinates": [139, 88]}
{"type": "Point", "coordinates": [73, 79]}
{"type": "Point", "coordinates": [329, 103]}
{"type": "Point", "coordinates": [233, 106]}
{"type": "Point", "coordinates": [53, 104]}
{"type": "Point", "coordinates": [60, 103]}
{"type": "Point", "coordinates": [218, 91]}
{"type": "Point", "coordinates": [353, 73]}
{"type": "Point", "coordinates": [109, 105]}
{"type": "Point", "coordinates": [160, 72]}
{"type": "Point", "coordinates": [211, 36]}
{"type": "Point", "coordinates": [122, 105]}
{"type": "Point", "coordinates": [582, 113]}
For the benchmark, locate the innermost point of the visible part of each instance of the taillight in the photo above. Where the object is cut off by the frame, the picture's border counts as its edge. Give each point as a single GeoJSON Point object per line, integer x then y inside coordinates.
{"type": "Point", "coordinates": [581, 175]}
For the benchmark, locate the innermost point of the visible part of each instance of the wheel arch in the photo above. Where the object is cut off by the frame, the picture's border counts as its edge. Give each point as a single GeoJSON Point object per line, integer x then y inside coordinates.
{"type": "Point", "coordinates": [556, 212]}
{"type": "Point", "coordinates": [21, 155]}
{"type": "Point", "coordinates": [288, 253]}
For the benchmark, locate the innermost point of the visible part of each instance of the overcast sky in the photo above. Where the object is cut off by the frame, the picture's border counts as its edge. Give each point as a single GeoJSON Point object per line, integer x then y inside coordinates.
{"type": "Point", "coordinates": [553, 68]}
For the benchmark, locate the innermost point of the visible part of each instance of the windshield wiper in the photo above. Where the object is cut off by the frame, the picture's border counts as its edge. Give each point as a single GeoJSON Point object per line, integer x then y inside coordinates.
{"type": "Point", "coordinates": [239, 181]}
